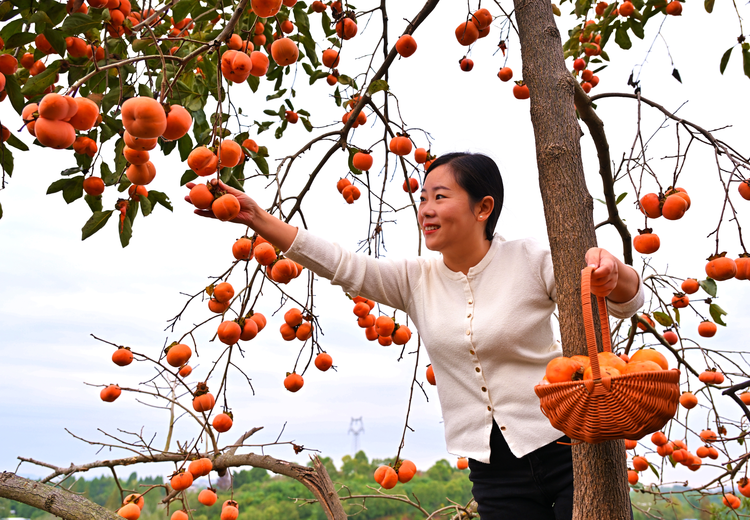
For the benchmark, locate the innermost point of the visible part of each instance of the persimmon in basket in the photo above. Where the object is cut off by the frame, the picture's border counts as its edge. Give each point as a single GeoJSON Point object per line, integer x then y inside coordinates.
{"type": "Point", "coordinates": [575, 368]}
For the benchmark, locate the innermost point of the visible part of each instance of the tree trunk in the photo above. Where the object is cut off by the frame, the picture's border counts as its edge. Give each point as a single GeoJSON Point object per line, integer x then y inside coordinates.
{"type": "Point", "coordinates": [601, 489]}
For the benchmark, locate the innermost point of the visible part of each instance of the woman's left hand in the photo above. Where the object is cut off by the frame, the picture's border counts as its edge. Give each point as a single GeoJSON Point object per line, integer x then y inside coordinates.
{"type": "Point", "coordinates": [606, 272]}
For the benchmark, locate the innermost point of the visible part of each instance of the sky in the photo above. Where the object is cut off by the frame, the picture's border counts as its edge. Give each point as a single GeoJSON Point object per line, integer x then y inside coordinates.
{"type": "Point", "coordinates": [57, 291]}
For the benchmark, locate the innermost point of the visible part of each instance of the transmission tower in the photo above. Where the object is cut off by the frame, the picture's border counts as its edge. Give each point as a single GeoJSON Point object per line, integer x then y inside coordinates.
{"type": "Point", "coordinates": [356, 427]}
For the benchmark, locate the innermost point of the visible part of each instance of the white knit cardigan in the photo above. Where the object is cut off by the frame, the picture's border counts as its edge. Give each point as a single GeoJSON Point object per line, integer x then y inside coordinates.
{"type": "Point", "coordinates": [488, 333]}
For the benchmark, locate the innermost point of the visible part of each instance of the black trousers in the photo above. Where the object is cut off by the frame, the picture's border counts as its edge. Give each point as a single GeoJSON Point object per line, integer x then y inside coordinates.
{"type": "Point", "coordinates": [538, 486]}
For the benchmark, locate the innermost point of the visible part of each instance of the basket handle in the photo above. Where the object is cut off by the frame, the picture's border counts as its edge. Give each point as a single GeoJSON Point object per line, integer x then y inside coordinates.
{"type": "Point", "coordinates": [588, 322]}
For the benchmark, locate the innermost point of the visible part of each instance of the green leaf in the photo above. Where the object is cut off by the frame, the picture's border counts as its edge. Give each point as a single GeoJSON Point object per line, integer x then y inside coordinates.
{"type": "Point", "coordinates": [14, 93]}
{"type": "Point", "coordinates": [19, 40]}
{"type": "Point", "coordinates": [677, 315]}
{"type": "Point", "coordinates": [78, 23]}
{"type": "Point", "coordinates": [725, 60]}
{"type": "Point", "coordinates": [74, 189]}
{"type": "Point", "coordinates": [58, 185]}
{"type": "Point", "coordinates": [276, 95]}
{"type": "Point", "coordinates": [188, 176]}
{"type": "Point", "coordinates": [1, 211]}
{"type": "Point", "coordinates": [377, 86]}
{"type": "Point", "coordinates": [709, 285]}
{"type": "Point", "coordinates": [653, 469]}
{"type": "Point", "coordinates": [307, 124]}
{"type": "Point", "coordinates": [146, 206]}
{"type": "Point", "coordinates": [125, 229]}
{"type": "Point", "coordinates": [352, 150]}
{"type": "Point", "coordinates": [95, 203]}
{"type": "Point", "coordinates": [676, 75]}
{"type": "Point", "coordinates": [746, 61]}
{"type": "Point", "coordinates": [262, 165]}
{"type": "Point", "coordinates": [182, 9]}
{"type": "Point", "coordinates": [6, 160]}
{"type": "Point", "coordinates": [622, 196]}
{"type": "Point", "coordinates": [600, 200]}
{"type": "Point", "coordinates": [708, 5]}
{"type": "Point", "coordinates": [622, 39]}
{"type": "Point", "coordinates": [663, 318]}
{"type": "Point", "coordinates": [254, 82]}
{"type": "Point", "coordinates": [637, 27]}
{"type": "Point", "coordinates": [37, 84]}
{"type": "Point", "coordinates": [716, 313]}
{"type": "Point", "coordinates": [157, 197]}
{"type": "Point", "coordinates": [107, 175]}
{"type": "Point", "coordinates": [15, 142]}
{"type": "Point", "coordinates": [57, 40]}
{"type": "Point", "coordinates": [185, 146]}
{"type": "Point", "coordinates": [10, 29]}
{"type": "Point", "coordinates": [95, 223]}
{"type": "Point", "coordinates": [325, 21]}
{"type": "Point", "coordinates": [71, 171]}
{"type": "Point", "coordinates": [120, 161]}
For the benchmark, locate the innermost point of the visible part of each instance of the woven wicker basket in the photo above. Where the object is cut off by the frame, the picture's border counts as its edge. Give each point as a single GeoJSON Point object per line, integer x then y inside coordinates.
{"type": "Point", "coordinates": [604, 408]}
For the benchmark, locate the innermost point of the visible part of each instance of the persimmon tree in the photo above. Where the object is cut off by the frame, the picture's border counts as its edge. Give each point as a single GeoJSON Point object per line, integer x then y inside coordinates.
{"type": "Point", "coordinates": [118, 81]}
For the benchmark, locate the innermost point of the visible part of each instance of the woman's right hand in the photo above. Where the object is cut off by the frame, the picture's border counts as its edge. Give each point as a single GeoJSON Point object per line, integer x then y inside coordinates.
{"type": "Point", "coordinates": [248, 207]}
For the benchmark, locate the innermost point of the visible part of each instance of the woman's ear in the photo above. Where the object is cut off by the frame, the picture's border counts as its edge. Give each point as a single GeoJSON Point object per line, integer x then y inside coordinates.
{"type": "Point", "coordinates": [484, 208]}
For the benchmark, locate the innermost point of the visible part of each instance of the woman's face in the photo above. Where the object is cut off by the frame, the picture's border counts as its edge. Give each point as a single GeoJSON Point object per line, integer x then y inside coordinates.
{"type": "Point", "coordinates": [446, 215]}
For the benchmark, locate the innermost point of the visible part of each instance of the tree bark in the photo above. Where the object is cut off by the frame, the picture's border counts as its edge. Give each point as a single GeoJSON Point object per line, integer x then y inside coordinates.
{"type": "Point", "coordinates": [601, 489]}
{"type": "Point", "coordinates": [56, 501]}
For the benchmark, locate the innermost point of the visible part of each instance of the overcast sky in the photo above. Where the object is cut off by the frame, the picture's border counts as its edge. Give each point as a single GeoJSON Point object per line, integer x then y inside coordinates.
{"type": "Point", "coordinates": [56, 291]}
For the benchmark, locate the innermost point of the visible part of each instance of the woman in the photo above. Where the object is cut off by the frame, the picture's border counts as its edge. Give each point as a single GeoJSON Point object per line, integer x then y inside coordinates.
{"type": "Point", "coordinates": [484, 313]}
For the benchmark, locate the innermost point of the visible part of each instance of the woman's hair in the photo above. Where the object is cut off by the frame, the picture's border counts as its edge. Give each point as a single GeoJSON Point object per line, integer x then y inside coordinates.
{"type": "Point", "coordinates": [480, 177]}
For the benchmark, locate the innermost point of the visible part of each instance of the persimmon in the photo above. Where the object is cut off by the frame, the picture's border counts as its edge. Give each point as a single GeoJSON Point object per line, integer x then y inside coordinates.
{"type": "Point", "coordinates": [204, 402]}
{"type": "Point", "coordinates": [284, 52]}
{"type": "Point", "coordinates": [466, 64]}
{"type": "Point", "coordinates": [641, 366]}
{"type": "Point", "coordinates": [743, 267]}
{"type": "Point", "coordinates": [640, 463]}
{"type": "Point", "coordinates": [37, 68]}
{"type": "Point", "coordinates": [85, 146]}
{"type": "Point", "coordinates": [665, 450]}
{"type": "Point", "coordinates": [400, 145]}
{"type": "Point", "coordinates": [626, 9]}
{"type": "Point", "coordinates": [226, 207]}
{"type": "Point", "coordinates": [323, 361]}
{"type": "Point", "coordinates": [674, 8]}
{"type": "Point", "coordinates": [129, 511]}
{"type": "Point", "coordinates": [366, 321]}
{"type": "Point", "coordinates": [707, 329]}
{"type": "Point", "coordinates": [462, 463]}
{"type": "Point", "coordinates": [179, 515]}
{"type": "Point", "coordinates": [521, 91]}
{"type": "Point", "coordinates": [54, 134]}
{"type": "Point", "coordinates": [401, 335]}
{"type": "Point", "coordinates": [242, 249]}
{"type": "Point", "coordinates": [318, 6]}
{"type": "Point", "coordinates": [284, 270]}
{"type": "Point", "coordinates": [688, 400]}
{"type": "Point", "coordinates": [137, 143]}
{"type": "Point", "coordinates": [200, 467]}
{"type": "Point", "coordinates": [659, 438]}
{"type": "Point", "coordinates": [230, 512]}
{"type": "Point", "coordinates": [144, 117]}
{"type": "Point", "coordinates": [680, 192]}
{"type": "Point", "coordinates": [287, 27]}
{"type": "Point", "coordinates": [386, 476]}
{"type": "Point", "coordinates": [731, 501]}
{"type": "Point", "coordinates": [201, 196]}
{"type": "Point", "coordinates": [141, 174]}
{"type": "Point", "coordinates": [384, 325]}
{"type": "Point", "coordinates": [711, 377]}
{"type": "Point", "coordinates": [671, 337]}
{"type": "Point", "coordinates": [721, 268]}
{"type": "Point", "coordinates": [8, 64]}
{"type": "Point", "coordinates": [745, 397]}
{"type": "Point", "coordinates": [505, 74]}
{"type": "Point", "coordinates": [230, 154]}
{"type": "Point", "coordinates": [482, 18]}
{"type": "Point", "coordinates": [674, 207]}
{"type": "Point", "coordinates": [135, 498]}
{"type": "Point", "coordinates": [265, 8]}
{"type": "Point", "coordinates": [690, 286]}
{"type": "Point", "coordinates": [743, 485]}
{"type": "Point", "coordinates": [178, 355]}
{"type": "Point", "coordinates": [185, 371]}
{"type": "Point", "coordinates": [259, 319]}
{"type": "Point", "coordinates": [612, 360]}
{"type": "Point", "coordinates": [385, 341]}
{"type": "Point", "coordinates": [371, 334]}
{"type": "Point", "coordinates": [259, 63]}
{"type": "Point", "coordinates": [604, 371]}
{"type": "Point", "coordinates": [406, 45]}
{"type": "Point", "coordinates": [236, 66]}
{"type": "Point", "coordinates": [264, 253]}
{"type": "Point", "coordinates": [646, 242]}
{"type": "Point", "coordinates": [293, 382]}
{"type": "Point", "coordinates": [179, 121]}
{"type": "Point", "coordinates": [411, 186]}
{"type": "Point", "coordinates": [648, 319]}
{"type": "Point", "coordinates": [181, 480]}
{"type": "Point", "coordinates": [346, 28]}
{"type": "Point", "coordinates": [250, 145]}
{"type": "Point", "coordinates": [57, 107]}
{"type": "Point", "coordinates": [680, 301]}
{"type": "Point", "coordinates": [293, 317]}
{"type": "Point", "coordinates": [351, 193]}
{"type": "Point", "coordinates": [362, 161]}
{"type": "Point", "coordinates": [467, 33]}
{"type": "Point", "coordinates": [208, 497]}
{"type": "Point", "coordinates": [122, 357]}
{"type": "Point", "coordinates": [110, 393]}
{"type": "Point", "coordinates": [287, 332]}
{"type": "Point", "coordinates": [222, 422]}
{"type": "Point", "coordinates": [561, 369]}
{"type": "Point", "coordinates": [229, 332]}
{"type": "Point", "coordinates": [680, 455]}
{"type": "Point", "coordinates": [743, 188]}
{"type": "Point", "coordinates": [632, 477]}
{"type": "Point", "coordinates": [93, 186]}
{"type": "Point", "coordinates": [249, 330]}
{"type": "Point", "coordinates": [430, 375]}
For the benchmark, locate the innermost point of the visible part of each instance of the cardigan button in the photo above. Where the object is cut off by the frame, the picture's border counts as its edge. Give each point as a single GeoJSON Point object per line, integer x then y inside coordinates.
{"type": "Point", "coordinates": [468, 332]}
{"type": "Point", "coordinates": [468, 315]}
{"type": "Point", "coordinates": [471, 352]}
{"type": "Point", "coordinates": [477, 369]}
{"type": "Point", "coordinates": [470, 302]}
{"type": "Point", "coordinates": [490, 409]}
{"type": "Point", "coordinates": [484, 389]}
{"type": "Point", "coordinates": [502, 428]}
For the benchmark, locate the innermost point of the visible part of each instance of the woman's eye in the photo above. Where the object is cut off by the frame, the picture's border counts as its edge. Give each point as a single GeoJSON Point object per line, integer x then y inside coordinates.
{"type": "Point", "coordinates": [421, 199]}
{"type": "Point", "coordinates": [438, 196]}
